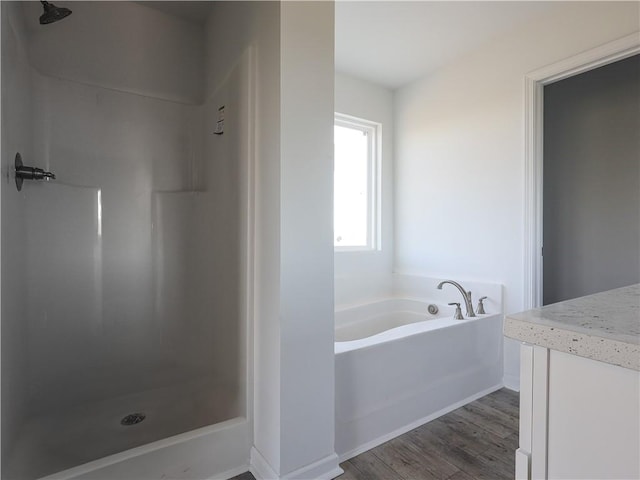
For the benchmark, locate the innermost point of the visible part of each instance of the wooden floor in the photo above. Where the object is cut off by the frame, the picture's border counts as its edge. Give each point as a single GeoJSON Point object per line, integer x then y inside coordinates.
{"type": "Point", "coordinates": [477, 441]}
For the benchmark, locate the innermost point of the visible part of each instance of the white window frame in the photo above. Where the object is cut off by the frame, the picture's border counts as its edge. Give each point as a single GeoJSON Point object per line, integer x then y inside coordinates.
{"type": "Point", "coordinates": [373, 130]}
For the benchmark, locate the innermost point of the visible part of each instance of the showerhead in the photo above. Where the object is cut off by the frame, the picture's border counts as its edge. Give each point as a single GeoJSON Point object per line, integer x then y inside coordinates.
{"type": "Point", "coordinates": [52, 13]}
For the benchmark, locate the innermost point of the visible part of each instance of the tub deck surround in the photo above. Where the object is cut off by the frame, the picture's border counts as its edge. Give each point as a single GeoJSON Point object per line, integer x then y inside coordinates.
{"type": "Point", "coordinates": [603, 327]}
{"type": "Point", "coordinates": [357, 290]}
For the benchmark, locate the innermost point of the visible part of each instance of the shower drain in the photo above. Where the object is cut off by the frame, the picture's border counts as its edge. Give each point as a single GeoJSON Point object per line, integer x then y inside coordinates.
{"type": "Point", "coordinates": [132, 419]}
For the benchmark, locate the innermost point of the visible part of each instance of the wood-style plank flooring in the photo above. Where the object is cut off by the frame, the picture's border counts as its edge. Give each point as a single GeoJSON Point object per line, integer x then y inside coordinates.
{"type": "Point", "coordinates": [477, 441]}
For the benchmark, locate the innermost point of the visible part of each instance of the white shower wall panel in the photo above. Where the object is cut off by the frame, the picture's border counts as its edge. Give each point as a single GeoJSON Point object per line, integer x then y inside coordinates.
{"type": "Point", "coordinates": [16, 137]}
{"type": "Point", "coordinates": [227, 176]}
{"type": "Point", "coordinates": [123, 46]}
{"type": "Point", "coordinates": [124, 147]}
{"type": "Point", "coordinates": [186, 307]}
{"type": "Point", "coordinates": [64, 278]}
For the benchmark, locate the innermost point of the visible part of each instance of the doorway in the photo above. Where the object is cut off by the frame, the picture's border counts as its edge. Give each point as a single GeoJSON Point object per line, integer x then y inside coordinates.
{"type": "Point", "coordinates": [535, 82]}
{"type": "Point", "coordinates": [591, 182]}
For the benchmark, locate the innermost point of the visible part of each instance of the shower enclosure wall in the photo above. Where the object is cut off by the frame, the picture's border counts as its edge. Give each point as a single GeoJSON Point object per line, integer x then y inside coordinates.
{"type": "Point", "coordinates": [123, 280]}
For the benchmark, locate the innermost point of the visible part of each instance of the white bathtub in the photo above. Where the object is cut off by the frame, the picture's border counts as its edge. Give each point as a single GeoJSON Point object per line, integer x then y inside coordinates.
{"type": "Point", "coordinates": [399, 367]}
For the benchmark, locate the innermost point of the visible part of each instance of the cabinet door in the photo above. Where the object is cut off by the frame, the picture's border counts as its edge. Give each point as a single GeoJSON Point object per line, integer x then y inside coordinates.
{"type": "Point", "coordinates": [531, 456]}
{"type": "Point", "coordinates": [579, 418]}
{"type": "Point", "coordinates": [594, 419]}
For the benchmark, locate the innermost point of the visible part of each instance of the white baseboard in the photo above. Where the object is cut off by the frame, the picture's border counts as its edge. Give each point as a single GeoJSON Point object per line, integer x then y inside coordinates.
{"type": "Point", "coordinates": [260, 468]}
{"type": "Point", "coordinates": [417, 423]}
{"type": "Point", "coordinates": [326, 468]}
{"type": "Point", "coordinates": [512, 382]}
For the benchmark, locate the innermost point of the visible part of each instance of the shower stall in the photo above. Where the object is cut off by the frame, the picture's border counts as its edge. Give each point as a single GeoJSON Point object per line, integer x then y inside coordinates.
{"type": "Point", "coordinates": [124, 279]}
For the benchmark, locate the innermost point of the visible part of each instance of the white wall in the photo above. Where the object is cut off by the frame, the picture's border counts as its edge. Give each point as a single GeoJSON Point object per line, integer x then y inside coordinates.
{"type": "Point", "coordinates": [460, 153]}
{"type": "Point", "coordinates": [362, 275]}
{"type": "Point", "coordinates": [16, 137]}
{"type": "Point", "coordinates": [306, 248]}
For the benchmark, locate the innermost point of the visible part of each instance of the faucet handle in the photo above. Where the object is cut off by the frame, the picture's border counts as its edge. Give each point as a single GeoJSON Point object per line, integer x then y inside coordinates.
{"type": "Point", "coordinates": [458, 314]}
{"type": "Point", "coordinates": [480, 309]}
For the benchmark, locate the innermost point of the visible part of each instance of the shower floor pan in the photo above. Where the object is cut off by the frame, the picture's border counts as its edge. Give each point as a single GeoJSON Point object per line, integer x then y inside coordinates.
{"type": "Point", "coordinates": [59, 441]}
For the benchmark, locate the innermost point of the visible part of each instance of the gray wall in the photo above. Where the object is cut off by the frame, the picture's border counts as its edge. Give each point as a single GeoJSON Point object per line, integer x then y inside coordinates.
{"type": "Point", "coordinates": [592, 181]}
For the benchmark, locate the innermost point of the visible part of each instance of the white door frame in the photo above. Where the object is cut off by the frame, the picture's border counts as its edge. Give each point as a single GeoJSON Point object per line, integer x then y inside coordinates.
{"type": "Point", "coordinates": [533, 144]}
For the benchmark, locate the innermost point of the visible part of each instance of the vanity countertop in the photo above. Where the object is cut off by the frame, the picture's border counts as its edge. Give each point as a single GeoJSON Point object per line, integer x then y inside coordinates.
{"type": "Point", "coordinates": [604, 326]}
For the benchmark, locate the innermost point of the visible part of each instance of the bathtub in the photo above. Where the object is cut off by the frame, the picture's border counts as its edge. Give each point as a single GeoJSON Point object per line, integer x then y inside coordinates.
{"type": "Point", "coordinates": [397, 367]}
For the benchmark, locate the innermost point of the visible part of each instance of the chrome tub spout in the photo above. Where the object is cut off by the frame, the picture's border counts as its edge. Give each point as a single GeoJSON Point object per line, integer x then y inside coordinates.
{"type": "Point", "coordinates": [465, 295]}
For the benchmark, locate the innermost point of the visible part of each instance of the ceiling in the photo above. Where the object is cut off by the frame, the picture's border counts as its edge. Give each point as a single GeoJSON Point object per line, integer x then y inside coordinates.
{"type": "Point", "coordinates": [392, 43]}
{"type": "Point", "coordinates": [395, 42]}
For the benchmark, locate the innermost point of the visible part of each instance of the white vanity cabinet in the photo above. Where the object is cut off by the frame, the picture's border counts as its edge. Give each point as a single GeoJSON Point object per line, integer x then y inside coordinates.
{"type": "Point", "coordinates": [580, 388]}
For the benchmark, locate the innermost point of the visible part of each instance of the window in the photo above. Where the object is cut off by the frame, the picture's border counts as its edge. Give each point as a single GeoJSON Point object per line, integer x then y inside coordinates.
{"type": "Point", "coordinates": [356, 191]}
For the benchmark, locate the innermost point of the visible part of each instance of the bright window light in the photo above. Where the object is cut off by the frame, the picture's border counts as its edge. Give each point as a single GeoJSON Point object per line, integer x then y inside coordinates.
{"type": "Point", "coordinates": [355, 184]}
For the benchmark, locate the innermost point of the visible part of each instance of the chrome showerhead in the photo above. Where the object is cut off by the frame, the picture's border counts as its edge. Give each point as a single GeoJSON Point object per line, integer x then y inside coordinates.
{"type": "Point", "coordinates": [52, 13]}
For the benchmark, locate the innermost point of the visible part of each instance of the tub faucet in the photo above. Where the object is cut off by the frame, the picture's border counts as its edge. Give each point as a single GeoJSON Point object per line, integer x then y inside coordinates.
{"type": "Point", "coordinates": [465, 295]}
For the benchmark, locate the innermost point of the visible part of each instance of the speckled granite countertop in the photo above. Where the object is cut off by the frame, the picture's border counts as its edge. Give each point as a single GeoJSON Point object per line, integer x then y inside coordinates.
{"type": "Point", "coordinates": [604, 326]}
